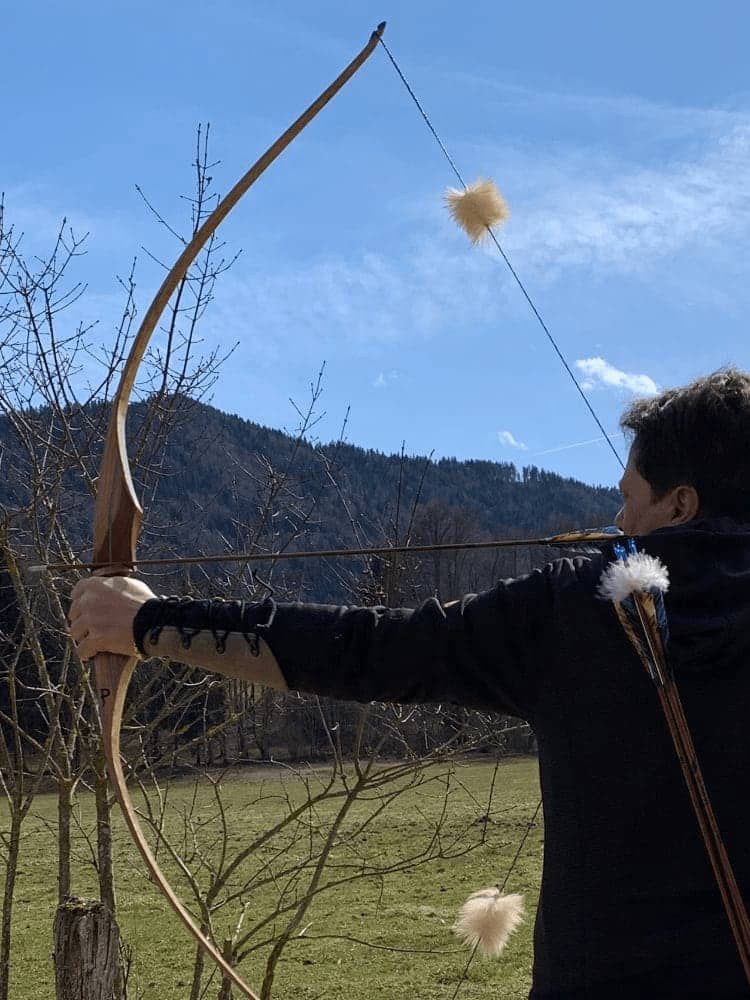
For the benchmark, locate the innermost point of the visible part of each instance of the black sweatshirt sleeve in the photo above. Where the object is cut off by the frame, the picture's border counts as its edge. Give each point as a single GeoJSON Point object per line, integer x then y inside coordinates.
{"type": "Point", "coordinates": [482, 652]}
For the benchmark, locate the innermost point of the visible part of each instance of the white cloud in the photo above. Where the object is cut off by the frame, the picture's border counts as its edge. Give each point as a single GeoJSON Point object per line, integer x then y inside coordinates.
{"type": "Point", "coordinates": [386, 378]}
{"type": "Point", "coordinates": [601, 374]}
{"type": "Point", "coordinates": [374, 299]}
{"type": "Point", "coordinates": [38, 212]}
{"type": "Point", "coordinates": [613, 216]}
{"type": "Point", "coordinates": [577, 214]}
{"type": "Point", "coordinates": [506, 438]}
{"type": "Point", "coordinates": [577, 444]}
{"type": "Point", "coordinates": [637, 109]}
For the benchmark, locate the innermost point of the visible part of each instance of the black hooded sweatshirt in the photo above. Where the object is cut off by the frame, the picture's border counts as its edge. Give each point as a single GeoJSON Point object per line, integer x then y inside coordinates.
{"type": "Point", "coordinates": [629, 907]}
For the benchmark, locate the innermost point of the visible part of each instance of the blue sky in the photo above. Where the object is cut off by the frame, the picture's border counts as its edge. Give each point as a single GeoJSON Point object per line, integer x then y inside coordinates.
{"type": "Point", "coordinates": [619, 134]}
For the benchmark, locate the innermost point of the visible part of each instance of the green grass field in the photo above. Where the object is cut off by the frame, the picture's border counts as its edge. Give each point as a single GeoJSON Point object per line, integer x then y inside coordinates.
{"type": "Point", "coordinates": [411, 910]}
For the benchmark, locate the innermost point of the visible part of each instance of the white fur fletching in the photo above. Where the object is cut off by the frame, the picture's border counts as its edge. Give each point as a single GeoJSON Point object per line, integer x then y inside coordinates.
{"type": "Point", "coordinates": [487, 919]}
{"type": "Point", "coordinates": [639, 571]}
{"type": "Point", "coordinates": [477, 208]}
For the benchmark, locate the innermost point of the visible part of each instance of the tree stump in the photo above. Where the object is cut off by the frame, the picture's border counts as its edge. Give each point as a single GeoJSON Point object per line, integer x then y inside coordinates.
{"type": "Point", "coordinates": [87, 952]}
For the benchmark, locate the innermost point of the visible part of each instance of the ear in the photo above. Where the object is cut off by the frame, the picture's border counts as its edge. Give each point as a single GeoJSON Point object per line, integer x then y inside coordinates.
{"type": "Point", "coordinates": [685, 504]}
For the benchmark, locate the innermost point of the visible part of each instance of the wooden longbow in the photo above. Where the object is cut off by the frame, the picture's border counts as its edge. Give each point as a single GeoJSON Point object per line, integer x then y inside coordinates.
{"type": "Point", "coordinates": [118, 514]}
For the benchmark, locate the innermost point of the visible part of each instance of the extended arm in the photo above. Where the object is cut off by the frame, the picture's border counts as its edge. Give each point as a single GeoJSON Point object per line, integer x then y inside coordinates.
{"type": "Point", "coordinates": [477, 652]}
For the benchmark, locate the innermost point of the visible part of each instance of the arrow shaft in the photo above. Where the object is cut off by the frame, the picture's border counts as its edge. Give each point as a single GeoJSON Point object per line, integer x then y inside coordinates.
{"type": "Point", "coordinates": [577, 537]}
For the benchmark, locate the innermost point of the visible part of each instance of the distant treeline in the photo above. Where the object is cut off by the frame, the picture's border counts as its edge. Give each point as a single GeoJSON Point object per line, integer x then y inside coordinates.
{"type": "Point", "coordinates": [226, 483]}
{"type": "Point", "coordinates": [221, 483]}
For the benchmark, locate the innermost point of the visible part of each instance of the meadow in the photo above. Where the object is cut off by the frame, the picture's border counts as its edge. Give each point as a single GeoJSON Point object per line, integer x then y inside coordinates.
{"type": "Point", "coordinates": [380, 934]}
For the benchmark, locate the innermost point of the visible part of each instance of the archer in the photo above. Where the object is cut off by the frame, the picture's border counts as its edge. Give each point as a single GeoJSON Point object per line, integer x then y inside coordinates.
{"type": "Point", "coordinates": [629, 907]}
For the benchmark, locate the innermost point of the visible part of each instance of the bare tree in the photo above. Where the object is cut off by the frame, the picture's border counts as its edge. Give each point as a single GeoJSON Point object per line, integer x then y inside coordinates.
{"type": "Point", "coordinates": [317, 844]}
{"type": "Point", "coordinates": [56, 383]}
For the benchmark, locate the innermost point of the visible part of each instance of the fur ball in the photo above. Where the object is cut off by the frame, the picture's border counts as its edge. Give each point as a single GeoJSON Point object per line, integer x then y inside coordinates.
{"type": "Point", "coordinates": [639, 571]}
{"type": "Point", "coordinates": [477, 208]}
{"type": "Point", "coordinates": [487, 919]}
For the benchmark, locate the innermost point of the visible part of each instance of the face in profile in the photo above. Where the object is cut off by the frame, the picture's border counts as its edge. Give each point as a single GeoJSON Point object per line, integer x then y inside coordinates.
{"type": "Point", "coordinates": [641, 513]}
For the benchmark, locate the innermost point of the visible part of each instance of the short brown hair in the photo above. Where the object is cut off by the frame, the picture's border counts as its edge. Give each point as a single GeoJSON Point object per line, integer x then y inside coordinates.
{"type": "Point", "coordinates": [698, 435]}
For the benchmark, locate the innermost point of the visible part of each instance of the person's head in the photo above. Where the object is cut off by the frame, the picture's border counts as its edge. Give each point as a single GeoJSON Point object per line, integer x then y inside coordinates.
{"type": "Point", "coordinates": [690, 454]}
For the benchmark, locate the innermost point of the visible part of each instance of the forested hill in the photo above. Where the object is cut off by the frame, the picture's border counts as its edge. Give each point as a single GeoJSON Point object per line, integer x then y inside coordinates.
{"type": "Point", "coordinates": [226, 483]}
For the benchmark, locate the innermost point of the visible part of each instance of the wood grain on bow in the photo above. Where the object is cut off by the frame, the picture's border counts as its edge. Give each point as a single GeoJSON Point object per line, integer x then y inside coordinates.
{"type": "Point", "coordinates": [118, 514]}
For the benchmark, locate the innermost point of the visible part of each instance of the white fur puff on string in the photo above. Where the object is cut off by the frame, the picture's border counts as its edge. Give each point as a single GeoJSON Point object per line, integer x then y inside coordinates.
{"type": "Point", "coordinates": [478, 207]}
{"type": "Point", "coordinates": [487, 919]}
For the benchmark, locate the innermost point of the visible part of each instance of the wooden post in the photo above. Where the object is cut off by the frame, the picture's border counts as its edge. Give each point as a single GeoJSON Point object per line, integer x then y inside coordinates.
{"type": "Point", "coordinates": [87, 952]}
